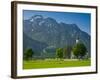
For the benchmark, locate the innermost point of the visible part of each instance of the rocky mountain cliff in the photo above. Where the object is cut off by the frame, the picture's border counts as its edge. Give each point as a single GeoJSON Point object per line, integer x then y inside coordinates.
{"type": "Point", "coordinates": [45, 32]}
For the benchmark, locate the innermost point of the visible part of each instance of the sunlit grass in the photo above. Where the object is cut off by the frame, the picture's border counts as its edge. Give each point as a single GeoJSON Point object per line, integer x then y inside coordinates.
{"type": "Point", "coordinates": [53, 63]}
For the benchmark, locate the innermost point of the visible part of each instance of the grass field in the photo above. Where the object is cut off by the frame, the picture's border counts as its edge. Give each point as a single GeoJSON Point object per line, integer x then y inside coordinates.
{"type": "Point", "coordinates": [33, 64]}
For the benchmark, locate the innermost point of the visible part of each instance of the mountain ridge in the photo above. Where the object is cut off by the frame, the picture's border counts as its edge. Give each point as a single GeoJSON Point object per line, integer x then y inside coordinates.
{"type": "Point", "coordinates": [49, 31]}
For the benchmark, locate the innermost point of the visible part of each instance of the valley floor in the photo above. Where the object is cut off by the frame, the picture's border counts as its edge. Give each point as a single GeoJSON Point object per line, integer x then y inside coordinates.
{"type": "Point", "coordinates": [53, 63]}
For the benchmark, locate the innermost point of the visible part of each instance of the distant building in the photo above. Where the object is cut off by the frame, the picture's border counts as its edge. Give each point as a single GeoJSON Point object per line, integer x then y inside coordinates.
{"type": "Point", "coordinates": [72, 55]}
{"type": "Point", "coordinates": [77, 40]}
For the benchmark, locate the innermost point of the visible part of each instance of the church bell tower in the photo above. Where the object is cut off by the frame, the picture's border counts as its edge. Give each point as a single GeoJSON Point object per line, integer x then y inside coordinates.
{"type": "Point", "coordinates": [77, 40]}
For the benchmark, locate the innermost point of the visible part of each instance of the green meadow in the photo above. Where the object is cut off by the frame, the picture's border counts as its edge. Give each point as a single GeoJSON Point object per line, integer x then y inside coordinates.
{"type": "Point", "coordinates": [53, 63]}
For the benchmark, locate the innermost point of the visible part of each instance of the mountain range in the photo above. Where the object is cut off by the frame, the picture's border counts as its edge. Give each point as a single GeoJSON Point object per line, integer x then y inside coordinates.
{"type": "Point", "coordinates": [40, 33]}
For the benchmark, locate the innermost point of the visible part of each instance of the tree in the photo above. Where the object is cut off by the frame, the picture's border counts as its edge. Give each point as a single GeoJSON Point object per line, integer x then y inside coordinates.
{"type": "Point", "coordinates": [65, 52]}
{"type": "Point", "coordinates": [68, 51]}
{"type": "Point", "coordinates": [59, 53]}
{"type": "Point", "coordinates": [79, 50]}
{"type": "Point", "coordinates": [28, 54]}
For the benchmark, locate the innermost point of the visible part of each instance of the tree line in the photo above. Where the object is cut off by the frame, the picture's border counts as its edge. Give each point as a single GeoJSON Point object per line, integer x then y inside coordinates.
{"type": "Point", "coordinates": [79, 51]}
